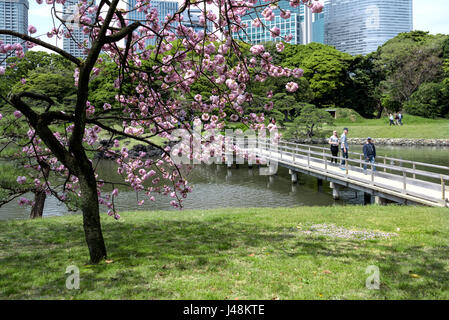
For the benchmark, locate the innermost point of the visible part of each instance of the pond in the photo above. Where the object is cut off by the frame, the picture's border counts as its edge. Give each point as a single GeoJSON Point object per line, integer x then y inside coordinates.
{"type": "Point", "coordinates": [216, 186]}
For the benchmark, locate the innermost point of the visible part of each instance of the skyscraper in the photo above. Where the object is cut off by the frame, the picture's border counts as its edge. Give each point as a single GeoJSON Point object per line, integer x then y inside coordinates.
{"type": "Point", "coordinates": [304, 26]}
{"type": "Point", "coordinates": [191, 19]}
{"type": "Point", "coordinates": [318, 28]}
{"type": "Point", "coordinates": [79, 41]}
{"type": "Point", "coordinates": [14, 17]}
{"type": "Point", "coordinates": [163, 8]}
{"type": "Point", "coordinates": [361, 26]}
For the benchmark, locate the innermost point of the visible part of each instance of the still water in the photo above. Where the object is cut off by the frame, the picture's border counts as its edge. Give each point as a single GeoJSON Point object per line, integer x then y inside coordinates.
{"type": "Point", "coordinates": [217, 186]}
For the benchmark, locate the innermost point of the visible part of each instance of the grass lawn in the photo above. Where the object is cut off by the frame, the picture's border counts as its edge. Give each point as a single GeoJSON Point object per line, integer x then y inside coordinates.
{"type": "Point", "coordinates": [232, 254]}
{"type": "Point", "coordinates": [413, 128]}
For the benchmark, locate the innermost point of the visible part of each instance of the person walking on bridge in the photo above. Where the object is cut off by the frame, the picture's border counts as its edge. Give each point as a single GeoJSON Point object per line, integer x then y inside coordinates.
{"type": "Point", "coordinates": [334, 141]}
{"type": "Point", "coordinates": [369, 151]}
{"type": "Point", "coordinates": [391, 120]}
{"type": "Point", "coordinates": [400, 118]}
{"type": "Point", "coordinates": [344, 147]}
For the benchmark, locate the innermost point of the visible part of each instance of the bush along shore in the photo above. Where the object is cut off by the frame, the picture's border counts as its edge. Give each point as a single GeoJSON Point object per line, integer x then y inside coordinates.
{"type": "Point", "coordinates": [381, 141]}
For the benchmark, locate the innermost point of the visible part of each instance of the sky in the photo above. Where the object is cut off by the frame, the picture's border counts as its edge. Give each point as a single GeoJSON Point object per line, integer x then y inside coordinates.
{"type": "Point", "coordinates": [432, 16]}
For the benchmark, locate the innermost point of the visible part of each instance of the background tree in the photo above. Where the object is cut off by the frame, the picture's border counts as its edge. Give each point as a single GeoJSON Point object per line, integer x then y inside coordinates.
{"type": "Point", "coordinates": [405, 63]}
{"type": "Point", "coordinates": [326, 69]}
{"type": "Point", "coordinates": [309, 122]}
{"type": "Point", "coordinates": [43, 73]}
{"type": "Point", "coordinates": [431, 100]}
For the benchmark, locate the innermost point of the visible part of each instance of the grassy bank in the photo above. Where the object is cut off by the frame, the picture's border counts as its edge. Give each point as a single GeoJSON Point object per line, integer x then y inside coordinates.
{"type": "Point", "coordinates": [413, 128]}
{"type": "Point", "coordinates": [234, 254]}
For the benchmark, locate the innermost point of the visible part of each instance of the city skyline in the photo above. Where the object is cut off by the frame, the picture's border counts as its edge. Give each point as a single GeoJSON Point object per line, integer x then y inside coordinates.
{"type": "Point", "coordinates": [434, 19]}
{"type": "Point", "coordinates": [301, 25]}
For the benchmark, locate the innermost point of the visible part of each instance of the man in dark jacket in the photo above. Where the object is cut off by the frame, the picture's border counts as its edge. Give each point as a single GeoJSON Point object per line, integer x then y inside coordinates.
{"type": "Point", "coordinates": [369, 151]}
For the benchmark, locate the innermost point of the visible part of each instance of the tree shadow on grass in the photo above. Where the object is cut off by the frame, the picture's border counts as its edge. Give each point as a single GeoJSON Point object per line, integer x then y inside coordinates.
{"type": "Point", "coordinates": [417, 272]}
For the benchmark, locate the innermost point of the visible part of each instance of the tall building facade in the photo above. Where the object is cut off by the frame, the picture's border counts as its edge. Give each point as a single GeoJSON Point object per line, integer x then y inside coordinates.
{"type": "Point", "coordinates": [77, 44]}
{"type": "Point", "coordinates": [13, 16]}
{"type": "Point", "coordinates": [318, 28]}
{"type": "Point", "coordinates": [303, 25]}
{"type": "Point", "coordinates": [191, 19]}
{"type": "Point", "coordinates": [164, 8]}
{"type": "Point", "coordinates": [361, 26]}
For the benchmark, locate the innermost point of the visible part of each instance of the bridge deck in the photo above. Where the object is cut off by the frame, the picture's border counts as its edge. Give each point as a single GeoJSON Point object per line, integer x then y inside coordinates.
{"type": "Point", "coordinates": [404, 184]}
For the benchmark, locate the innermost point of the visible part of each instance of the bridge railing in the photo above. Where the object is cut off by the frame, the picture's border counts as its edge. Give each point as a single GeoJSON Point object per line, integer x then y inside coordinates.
{"type": "Point", "coordinates": [408, 177]}
{"type": "Point", "coordinates": [413, 164]}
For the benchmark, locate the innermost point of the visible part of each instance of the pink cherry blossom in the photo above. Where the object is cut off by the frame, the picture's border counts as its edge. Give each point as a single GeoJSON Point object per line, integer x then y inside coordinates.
{"type": "Point", "coordinates": [31, 29]}
{"type": "Point", "coordinates": [275, 32]}
{"type": "Point", "coordinates": [317, 7]}
{"type": "Point", "coordinates": [280, 47]}
{"type": "Point", "coordinates": [291, 86]}
{"type": "Point", "coordinates": [21, 179]}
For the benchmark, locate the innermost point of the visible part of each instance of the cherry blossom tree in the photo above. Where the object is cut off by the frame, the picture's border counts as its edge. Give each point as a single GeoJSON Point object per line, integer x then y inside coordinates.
{"type": "Point", "coordinates": [152, 98]}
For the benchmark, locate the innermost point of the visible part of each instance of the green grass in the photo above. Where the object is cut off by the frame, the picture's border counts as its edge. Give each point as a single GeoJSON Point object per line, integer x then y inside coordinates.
{"type": "Point", "coordinates": [231, 254]}
{"type": "Point", "coordinates": [413, 128]}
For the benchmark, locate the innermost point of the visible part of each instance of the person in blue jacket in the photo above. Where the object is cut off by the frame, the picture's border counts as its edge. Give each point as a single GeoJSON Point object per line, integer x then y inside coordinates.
{"type": "Point", "coordinates": [369, 152]}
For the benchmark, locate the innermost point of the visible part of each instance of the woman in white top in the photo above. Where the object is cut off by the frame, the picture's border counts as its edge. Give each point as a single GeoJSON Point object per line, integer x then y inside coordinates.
{"type": "Point", "coordinates": [334, 141]}
{"type": "Point", "coordinates": [391, 120]}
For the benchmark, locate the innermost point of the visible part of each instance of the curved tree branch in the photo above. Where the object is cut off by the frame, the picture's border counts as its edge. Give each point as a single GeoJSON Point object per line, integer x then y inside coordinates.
{"type": "Point", "coordinates": [44, 44]}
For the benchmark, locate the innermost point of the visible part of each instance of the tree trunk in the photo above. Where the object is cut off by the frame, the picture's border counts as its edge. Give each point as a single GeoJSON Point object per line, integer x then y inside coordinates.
{"type": "Point", "coordinates": [91, 218]}
{"type": "Point", "coordinates": [37, 209]}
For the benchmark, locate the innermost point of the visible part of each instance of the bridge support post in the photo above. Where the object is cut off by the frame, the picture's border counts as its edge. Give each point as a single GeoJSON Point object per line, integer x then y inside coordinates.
{"type": "Point", "coordinates": [294, 176]}
{"type": "Point", "coordinates": [335, 191]}
{"type": "Point", "coordinates": [366, 198]}
{"type": "Point", "coordinates": [380, 200]}
{"type": "Point", "coordinates": [320, 184]}
{"type": "Point", "coordinates": [228, 174]}
{"type": "Point", "coordinates": [270, 181]}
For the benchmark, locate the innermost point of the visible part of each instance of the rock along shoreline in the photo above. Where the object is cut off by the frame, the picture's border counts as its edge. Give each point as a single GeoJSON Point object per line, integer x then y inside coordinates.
{"type": "Point", "coordinates": [381, 141]}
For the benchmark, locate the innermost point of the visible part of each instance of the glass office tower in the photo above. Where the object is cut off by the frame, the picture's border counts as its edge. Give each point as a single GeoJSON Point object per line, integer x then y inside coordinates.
{"type": "Point", "coordinates": [191, 19]}
{"type": "Point", "coordinates": [318, 27]}
{"type": "Point", "coordinates": [14, 17]}
{"type": "Point", "coordinates": [304, 26]}
{"type": "Point", "coordinates": [361, 26]}
{"type": "Point", "coordinates": [79, 42]}
{"type": "Point", "coordinates": [163, 7]}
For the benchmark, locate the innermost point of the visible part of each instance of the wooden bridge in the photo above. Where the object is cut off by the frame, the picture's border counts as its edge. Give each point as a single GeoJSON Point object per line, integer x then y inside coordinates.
{"type": "Point", "coordinates": [388, 180]}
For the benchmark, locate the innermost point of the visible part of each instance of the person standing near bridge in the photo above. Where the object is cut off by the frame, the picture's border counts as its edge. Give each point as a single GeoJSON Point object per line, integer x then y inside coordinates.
{"type": "Point", "coordinates": [369, 151]}
{"type": "Point", "coordinates": [334, 141]}
{"type": "Point", "coordinates": [344, 147]}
